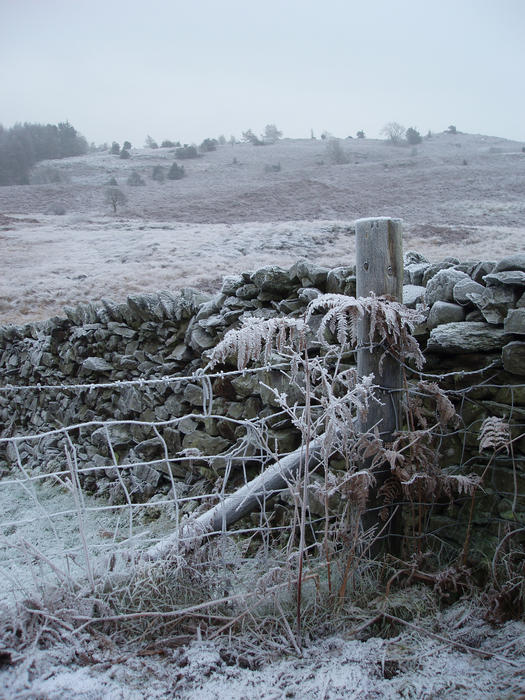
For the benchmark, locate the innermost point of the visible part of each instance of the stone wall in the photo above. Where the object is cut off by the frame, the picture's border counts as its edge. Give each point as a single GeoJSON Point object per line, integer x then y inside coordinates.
{"type": "Point", "coordinates": [476, 319]}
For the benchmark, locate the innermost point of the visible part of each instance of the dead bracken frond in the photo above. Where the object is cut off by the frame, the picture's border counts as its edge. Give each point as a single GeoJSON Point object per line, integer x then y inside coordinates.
{"type": "Point", "coordinates": [390, 323]}
{"type": "Point", "coordinates": [444, 407]}
{"type": "Point", "coordinates": [494, 434]}
{"type": "Point", "coordinates": [258, 338]}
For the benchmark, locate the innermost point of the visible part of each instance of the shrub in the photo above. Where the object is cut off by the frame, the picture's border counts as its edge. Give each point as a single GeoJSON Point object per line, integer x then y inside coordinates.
{"type": "Point", "coordinates": [150, 142]}
{"type": "Point", "coordinates": [176, 172]}
{"type": "Point", "coordinates": [336, 152]}
{"type": "Point", "coordinates": [158, 173]}
{"type": "Point", "coordinates": [185, 152]}
{"type": "Point", "coordinates": [169, 144]}
{"type": "Point", "coordinates": [208, 145]}
{"type": "Point", "coordinates": [115, 149]}
{"type": "Point", "coordinates": [113, 182]}
{"type": "Point", "coordinates": [413, 136]}
{"type": "Point", "coordinates": [360, 134]}
{"type": "Point", "coordinates": [135, 180]}
{"type": "Point", "coordinates": [125, 154]}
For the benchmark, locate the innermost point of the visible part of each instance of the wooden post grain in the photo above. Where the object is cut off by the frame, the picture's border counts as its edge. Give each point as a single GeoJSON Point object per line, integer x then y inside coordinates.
{"type": "Point", "coordinates": [379, 269]}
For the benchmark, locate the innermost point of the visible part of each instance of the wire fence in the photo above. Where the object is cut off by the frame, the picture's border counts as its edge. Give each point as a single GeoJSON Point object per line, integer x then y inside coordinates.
{"type": "Point", "coordinates": [191, 522]}
{"type": "Point", "coordinates": [51, 515]}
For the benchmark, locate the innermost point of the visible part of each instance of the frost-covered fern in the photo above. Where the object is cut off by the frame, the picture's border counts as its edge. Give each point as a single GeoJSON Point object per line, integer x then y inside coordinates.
{"type": "Point", "coordinates": [494, 434]}
{"type": "Point", "coordinates": [390, 323]}
{"type": "Point", "coordinates": [258, 338]}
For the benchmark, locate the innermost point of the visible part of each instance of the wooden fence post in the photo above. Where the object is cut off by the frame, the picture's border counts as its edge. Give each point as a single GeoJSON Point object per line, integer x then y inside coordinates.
{"type": "Point", "coordinates": [379, 269]}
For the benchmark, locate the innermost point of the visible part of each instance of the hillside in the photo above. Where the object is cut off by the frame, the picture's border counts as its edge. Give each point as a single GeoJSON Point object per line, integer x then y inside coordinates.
{"type": "Point", "coordinates": [458, 194]}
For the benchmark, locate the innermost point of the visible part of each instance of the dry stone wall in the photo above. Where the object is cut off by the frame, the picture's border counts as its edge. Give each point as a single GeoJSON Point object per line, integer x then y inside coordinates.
{"type": "Point", "coordinates": [476, 319]}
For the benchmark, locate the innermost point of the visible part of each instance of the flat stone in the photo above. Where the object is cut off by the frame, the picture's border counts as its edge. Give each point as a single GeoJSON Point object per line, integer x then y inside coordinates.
{"type": "Point", "coordinates": [121, 330]}
{"type": "Point", "coordinates": [246, 385]}
{"type": "Point", "coordinates": [515, 321]}
{"type": "Point", "coordinates": [200, 340]}
{"type": "Point", "coordinates": [433, 269]}
{"type": "Point", "coordinates": [444, 312]}
{"type": "Point", "coordinates": [193, 394]}
{"type": "Point", "coordinates": [515, 277]}
{"type": "Point", "coordinates": [466, 337]}
{"type": "Point", "coordinates": [412, 257]}
{"type": "Point", "coordinates": [308, 273]}
{"type": "Point", "coordinates": [272, 279]}
{"type": "Point", "coordinates": [415, 272]}
{"type": "Point", "coordinates": [206, 444]}
{"type": "Point", "coordinates": [247, 291]}
{"type": "Point", "coordinates": [514, 357]}
{"type": "Point", "coordinates": [481, 269]}
{"type": "Point", "coordinates": [465, 287]}
{"type": "Point", "coordinates": [338, 278]}
{"type": "Point", "coordinates": [413, 294]}
{"type": "Point", "coordinates": [231, 283]}
{"type": "Point", "coordinates": [441, 286]}
{"type": "Point", "coordinates": [512, 262]}
{"type": "Point", "coordinates": [148, 450]}
{"type": "Point", "coordinates": [494, 303]}
{"type": "Point", "coordinates": [146, 473]}
{"type": "Point", "coordinates": [96, 364]}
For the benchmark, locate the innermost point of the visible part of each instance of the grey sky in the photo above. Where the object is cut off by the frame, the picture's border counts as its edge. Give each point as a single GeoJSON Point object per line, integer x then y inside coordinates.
{"type": "Point", "coordinates": [186, 70]}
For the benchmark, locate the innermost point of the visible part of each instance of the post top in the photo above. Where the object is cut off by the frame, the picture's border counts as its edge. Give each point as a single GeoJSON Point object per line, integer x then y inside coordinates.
{"type": "Point", "coordinates": [378, 218]}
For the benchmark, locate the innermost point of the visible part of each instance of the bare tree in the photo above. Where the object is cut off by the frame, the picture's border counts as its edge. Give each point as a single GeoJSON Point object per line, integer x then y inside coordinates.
{"type": "Point", "coordinates": [394, 132]}
{"type": "Point", "coordinates": [115, 198]}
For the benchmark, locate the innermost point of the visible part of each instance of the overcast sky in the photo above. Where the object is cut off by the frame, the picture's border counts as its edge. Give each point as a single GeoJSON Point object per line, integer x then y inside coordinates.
{"type": "Point", "coordinates": [190, 69]}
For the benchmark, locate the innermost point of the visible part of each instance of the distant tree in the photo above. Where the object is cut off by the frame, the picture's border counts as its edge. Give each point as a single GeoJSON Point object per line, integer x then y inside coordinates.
{"type": "Point", "coordinates": [185, 152]}
{"type": "Point", "coordinates": [221, 140]}
{"type": "Point", "coordinates": [429, 134]}
{"type": "Point", "coordinates": [115, 149]}
{"type": "Point", "coordinates": [71, 142]}
{"type": "Point", "coordinates": [115, 198]}
{"type": "Point", "coordinates": [360, 134]}
{"type": "Point", "coordinates": [158, 173]}
{"type": "Point", "coordinates": [312, 134]}
{"type": "Point", "coordinates": [233, 140]}
{"type": "Point", "coordinates": [394, 132]}
{"type": "Point", "coordinates": [126, 146]}
{"type": "Point", "coordinates": [150, 142]}
{"type": "Point", "coordinates": [413, 136]}
{"type": "Point", "coordinates": [252, 138]}
{"type": "Point", "coordinates": [208, 145]}
{"type": "Point", "coordinates": [135, 180]}
{"type": "Point", "coordinates": [452, 129]}
{"type": "Point", "coordinates": [176, 172]}
{"type": "Point", "coordinates": [272, 133]}
{"type": "Point", "coordinates": [169, 144]}
{"type": "Point", "coordinates": [124, 153]}
{"type": "Point", "coordinates": [24, 145]}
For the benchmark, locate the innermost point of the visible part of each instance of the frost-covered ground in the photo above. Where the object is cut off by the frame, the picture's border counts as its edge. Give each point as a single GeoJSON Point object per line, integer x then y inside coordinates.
{"type": "Point", "coordinates": [227, 217]}
{"type": "Point", "coordinates": [410, 665]}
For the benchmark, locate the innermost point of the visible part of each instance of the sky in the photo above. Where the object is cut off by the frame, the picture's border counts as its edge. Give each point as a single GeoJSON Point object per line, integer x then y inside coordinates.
{"type": "Point", "coordinates": [192, 69]}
